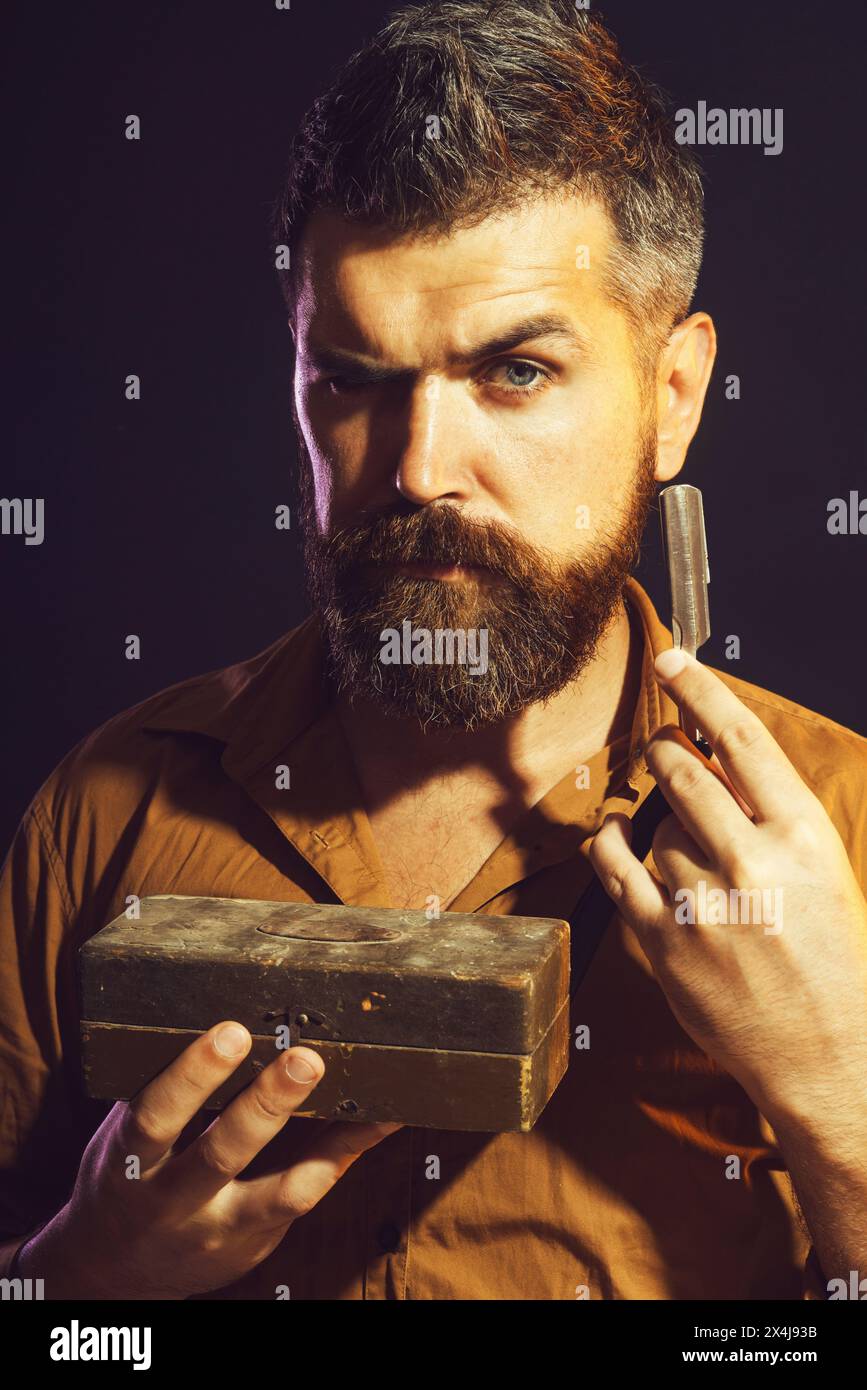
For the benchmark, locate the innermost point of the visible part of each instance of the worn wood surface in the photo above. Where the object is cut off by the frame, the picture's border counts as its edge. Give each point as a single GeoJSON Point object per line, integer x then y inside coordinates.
{"type": "Point", "coordinates": [456, 1021]}
{"type": "Point", "coordinates": [485, 1091]}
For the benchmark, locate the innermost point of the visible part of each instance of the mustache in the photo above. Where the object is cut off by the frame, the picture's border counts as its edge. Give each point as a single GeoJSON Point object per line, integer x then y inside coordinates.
{"type": "Point", "coordinates": [439, 535]}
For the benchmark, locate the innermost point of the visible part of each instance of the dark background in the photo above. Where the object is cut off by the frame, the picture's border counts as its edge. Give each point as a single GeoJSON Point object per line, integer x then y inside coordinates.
{"type": "Point", "coordinates": [153, 257]}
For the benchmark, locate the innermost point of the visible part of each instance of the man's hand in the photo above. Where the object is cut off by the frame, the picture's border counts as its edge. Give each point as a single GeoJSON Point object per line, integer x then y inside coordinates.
{"type": "Point", "coordinates": [778, 995]}
{"type": "Point", "coordinates": [186, 1225]}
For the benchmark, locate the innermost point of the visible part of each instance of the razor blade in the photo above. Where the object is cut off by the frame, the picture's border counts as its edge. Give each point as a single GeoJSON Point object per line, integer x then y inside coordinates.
{"type": "Point", "coordinates": [685, 546]}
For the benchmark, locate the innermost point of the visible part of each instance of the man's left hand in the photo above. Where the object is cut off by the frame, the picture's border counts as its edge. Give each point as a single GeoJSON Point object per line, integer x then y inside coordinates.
{"type": "Point", "coordinates": [772, 985]}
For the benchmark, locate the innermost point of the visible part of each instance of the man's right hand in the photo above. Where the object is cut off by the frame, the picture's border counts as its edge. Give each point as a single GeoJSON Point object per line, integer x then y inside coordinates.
{"type": "Point", "coordinates": [186, 1225]}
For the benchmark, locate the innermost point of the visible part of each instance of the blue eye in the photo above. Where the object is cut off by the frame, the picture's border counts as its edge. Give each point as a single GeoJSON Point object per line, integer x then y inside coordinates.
{"type": "Point", "coordinates": [539, 380]}
{"type": "Point", "coordinates": [531, 378]}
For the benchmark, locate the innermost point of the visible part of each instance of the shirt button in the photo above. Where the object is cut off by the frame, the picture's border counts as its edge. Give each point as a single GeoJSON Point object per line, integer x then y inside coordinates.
{"type": "Point", "coordinates": [388, 1237]}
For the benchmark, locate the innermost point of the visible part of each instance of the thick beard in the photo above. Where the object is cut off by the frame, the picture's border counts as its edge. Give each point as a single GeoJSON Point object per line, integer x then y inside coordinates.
{"type": "Point", "coordinates": [544, 618]}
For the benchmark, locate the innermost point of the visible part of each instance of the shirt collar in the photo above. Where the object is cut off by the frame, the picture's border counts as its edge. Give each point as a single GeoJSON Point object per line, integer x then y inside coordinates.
{"type": "Point", "coordinates": [276, 708]}
{"type": "Point", "coordinates": [654, 707]}
{"type": "Point", "coordinates": [256, 707]}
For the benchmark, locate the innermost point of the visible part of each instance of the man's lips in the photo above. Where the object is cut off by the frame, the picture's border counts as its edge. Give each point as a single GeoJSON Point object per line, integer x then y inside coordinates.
{"type": "Point", "coordinates": [433, 571]}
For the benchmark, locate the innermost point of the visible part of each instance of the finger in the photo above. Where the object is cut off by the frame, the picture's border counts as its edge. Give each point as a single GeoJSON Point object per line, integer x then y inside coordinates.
{"type": "Point", "coordinates": [279, 1198]}
{"type": "Point", "coordinates": [246, 1125]}
{"type": "Point", "coordinates": [639, 897]}
{"type": "Point", "coordinates": [712, 763]}
{"type": "Point", "coordinates": [678, 859]}
{"type": "Point", "coordinates": [155, 1118]}
{"type": "Point", "coordinates": [716, 766]}
{"type": "Point", "coordinates": [750, 755]}
{"type": "Point", "coordinates": [698, 797]}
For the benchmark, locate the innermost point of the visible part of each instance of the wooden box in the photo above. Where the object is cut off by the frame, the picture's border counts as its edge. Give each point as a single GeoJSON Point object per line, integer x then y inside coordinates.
{"type": "Point", "coordinates": [460, 1022]}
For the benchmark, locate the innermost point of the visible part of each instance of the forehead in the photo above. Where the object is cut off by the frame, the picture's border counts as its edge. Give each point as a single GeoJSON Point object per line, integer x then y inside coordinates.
{"type": "Point", "coordinates": [374, 288]}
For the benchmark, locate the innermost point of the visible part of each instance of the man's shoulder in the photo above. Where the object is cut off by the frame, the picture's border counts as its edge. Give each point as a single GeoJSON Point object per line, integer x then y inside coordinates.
{"type": "Point", "coordinates": [792, 723]}
{"type": "Point", "coordinates": [118, 757]}
{"type": "Point", "coordinates": [831, 758]}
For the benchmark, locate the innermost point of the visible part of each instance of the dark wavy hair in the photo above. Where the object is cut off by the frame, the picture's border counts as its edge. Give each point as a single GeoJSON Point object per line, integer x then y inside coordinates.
{"type": "Point", "coordinates": [531, 97]}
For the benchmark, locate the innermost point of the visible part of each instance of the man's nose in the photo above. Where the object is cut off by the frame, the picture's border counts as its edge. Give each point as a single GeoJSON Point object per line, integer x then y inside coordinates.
{"type": "Point", "coordinates": [434, 461]}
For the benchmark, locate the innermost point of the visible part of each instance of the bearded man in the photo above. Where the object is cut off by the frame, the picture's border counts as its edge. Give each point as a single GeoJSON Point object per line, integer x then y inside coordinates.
{"type": "Point", "coordinates": [490, 242]}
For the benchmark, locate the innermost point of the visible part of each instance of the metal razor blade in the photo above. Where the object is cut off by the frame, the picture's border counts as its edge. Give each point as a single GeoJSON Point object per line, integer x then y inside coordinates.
{"type": "Point", "coordinates": [685, 546]}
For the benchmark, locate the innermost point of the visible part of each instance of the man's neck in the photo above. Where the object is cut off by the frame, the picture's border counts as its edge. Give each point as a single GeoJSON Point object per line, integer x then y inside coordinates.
{"type": "Point", "coordinates": [525, 755]}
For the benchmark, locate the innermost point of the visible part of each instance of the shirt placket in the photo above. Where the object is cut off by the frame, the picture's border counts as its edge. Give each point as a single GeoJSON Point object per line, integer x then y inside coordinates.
{"type": "Point", "coordinates": [388, 1216]}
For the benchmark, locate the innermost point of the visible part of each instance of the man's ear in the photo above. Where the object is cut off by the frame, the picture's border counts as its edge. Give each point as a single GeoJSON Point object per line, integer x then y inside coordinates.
{"type": "Point", "coordinates": [681, 385]}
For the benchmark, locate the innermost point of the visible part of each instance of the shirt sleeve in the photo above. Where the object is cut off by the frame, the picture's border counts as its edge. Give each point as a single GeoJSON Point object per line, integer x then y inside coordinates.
{"type": "Point", "coordinates": [842, 795]}
{"type": "Point", "coordinates": [45, 1118]}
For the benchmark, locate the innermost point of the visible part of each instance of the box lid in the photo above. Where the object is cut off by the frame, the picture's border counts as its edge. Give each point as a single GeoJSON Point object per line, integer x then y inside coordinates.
{"type": "Point", "coordinates": [463, 981]}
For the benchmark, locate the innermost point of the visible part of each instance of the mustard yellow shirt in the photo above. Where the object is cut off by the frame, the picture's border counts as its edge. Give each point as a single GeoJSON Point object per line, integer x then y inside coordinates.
{"type": "Point", "coordinates": [620, 1189]}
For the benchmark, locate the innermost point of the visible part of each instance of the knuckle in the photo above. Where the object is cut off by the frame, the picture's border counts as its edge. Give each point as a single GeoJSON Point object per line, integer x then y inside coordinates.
{"type": "Point", "coordinates": [214, 1157]}
{"type": "Point", "coordinates": [620, 883]}
{"type": "Point", "coordinates": [294, 1203]}
{"type": "Point", "coordinates": [684, 778]}
{"type": "Point", "coordinates": [302, 1204]}
{"type": "Point", "coordinates": [142, 1123]}
{"type": "Point", "coordinates": [351, 1141]}
{"type": "Point", "coordinates": [612, 882]}
{"type": "Point", "coordinates": [268, 1103]}
{"type": "Point", "coordinates": [739, 736]}
{"type": "Point", "coordinates": [192, 1076]}
{"type": "Point", "coordinates": [802, 836]}
{"type": "Point", "coordinates": [212, 1242]}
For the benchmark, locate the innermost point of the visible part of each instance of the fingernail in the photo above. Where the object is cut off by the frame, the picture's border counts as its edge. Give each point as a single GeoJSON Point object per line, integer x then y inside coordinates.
{"type": "Point", "coordinates": [231, 1040]}
{"type": "Point", "coordinates": [670, 664]}
{"type": "Point", "coordinates": [300, 1070]}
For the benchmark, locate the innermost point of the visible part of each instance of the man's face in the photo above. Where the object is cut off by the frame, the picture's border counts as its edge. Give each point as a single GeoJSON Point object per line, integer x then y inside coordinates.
{"type": "Point", "coordinates": [463, 467]}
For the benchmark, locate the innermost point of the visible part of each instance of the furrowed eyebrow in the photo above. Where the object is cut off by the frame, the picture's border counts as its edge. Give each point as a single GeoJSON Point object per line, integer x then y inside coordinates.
{"type": "Point", "coordinates": [526, 331]}
{"type": "Point", "coordinates": [551, 326]}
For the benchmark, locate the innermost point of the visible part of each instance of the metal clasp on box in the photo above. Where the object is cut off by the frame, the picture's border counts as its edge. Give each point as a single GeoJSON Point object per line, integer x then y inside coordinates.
{"type": "Point", "coordinates": [297, 1017]}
